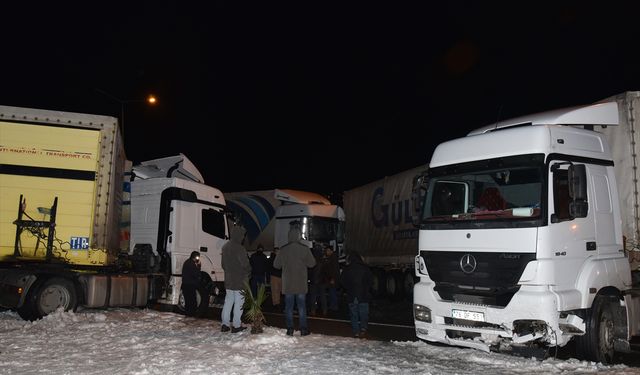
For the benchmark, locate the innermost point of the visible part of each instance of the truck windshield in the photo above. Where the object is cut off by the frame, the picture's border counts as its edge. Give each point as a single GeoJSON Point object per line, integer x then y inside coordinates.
{"type": "Point", "coordinates": [324, 229]}
{"type": "Point", "coordinates": [505, 189]}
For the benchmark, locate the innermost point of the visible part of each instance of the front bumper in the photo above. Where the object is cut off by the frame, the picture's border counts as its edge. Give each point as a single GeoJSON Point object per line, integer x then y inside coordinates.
{"type": "Point", "coordinates": [531, 315]}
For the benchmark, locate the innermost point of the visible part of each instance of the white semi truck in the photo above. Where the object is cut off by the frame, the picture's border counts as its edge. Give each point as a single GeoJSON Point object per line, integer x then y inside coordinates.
{"type": "Point", "coordinates": [529, 236]}
{"type": "Point", "coordinates": [71, 232]}
{"type": "Point", "coordinates": [379, 227]}
{"type": "Point", "coordinates": [266, 214]}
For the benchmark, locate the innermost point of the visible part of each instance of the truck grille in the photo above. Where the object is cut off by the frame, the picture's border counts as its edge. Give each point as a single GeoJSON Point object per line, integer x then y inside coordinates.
{"type": "Point", "coordinates": [493, 281]}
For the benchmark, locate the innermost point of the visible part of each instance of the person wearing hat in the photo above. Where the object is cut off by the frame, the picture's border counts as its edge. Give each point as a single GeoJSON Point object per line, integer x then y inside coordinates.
{"type": "Point", "coordinates": [190, 282]}
{"type": "Point", "coordinates": [237, 269]}
{"type": "Point", "coordinates": [357, 280]}
{"type": "Point", "coordinates": [294, 259]}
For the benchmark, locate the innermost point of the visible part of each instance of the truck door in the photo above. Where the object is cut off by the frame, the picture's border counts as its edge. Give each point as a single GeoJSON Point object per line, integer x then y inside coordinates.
{"type": "Point", "coordinates": [212, 237]}
{"type": "Point", "coordinates": [196, 226]}
{"type": "Point", "coordinates": [570, 237]}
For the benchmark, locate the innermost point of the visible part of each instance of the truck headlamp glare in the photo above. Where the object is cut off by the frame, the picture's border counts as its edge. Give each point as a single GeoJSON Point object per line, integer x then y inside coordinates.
{"type": "Point", "coordinates": [422, 313]}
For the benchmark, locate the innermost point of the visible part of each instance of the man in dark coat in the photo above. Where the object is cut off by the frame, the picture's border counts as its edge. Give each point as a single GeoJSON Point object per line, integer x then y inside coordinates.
{"type": "Point", "coordinates": [190, 282]}
{"type": "Point", "coordinates": [237, 269]}
{"type": "Point", "coordinates": [294, 259]}
{"type": "Point", "coordinates": [329, 278]}
{"type": "Point", "coordinates": [259, 269]}
{"type": "Point", "coordinates": [357, 279]}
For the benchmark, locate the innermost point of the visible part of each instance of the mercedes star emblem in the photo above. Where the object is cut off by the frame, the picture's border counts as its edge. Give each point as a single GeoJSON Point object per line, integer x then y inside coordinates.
{"type": "Point", "coordinates": [468, 263]}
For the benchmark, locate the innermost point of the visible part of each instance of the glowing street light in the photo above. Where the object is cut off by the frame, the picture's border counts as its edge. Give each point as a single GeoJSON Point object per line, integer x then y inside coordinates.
{"type": "Point", "coordinates": [150, 99]}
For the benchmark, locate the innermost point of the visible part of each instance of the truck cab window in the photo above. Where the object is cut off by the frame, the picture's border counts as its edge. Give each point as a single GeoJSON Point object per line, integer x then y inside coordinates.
{"type": "Point", "coordinates": [561, 195]}
{"type": "Point", "coordinates": [449, 199]}
{"type": "Point", "coordinates": [323, 229]}
{"type": "Point", "coordinates": [213, 222]}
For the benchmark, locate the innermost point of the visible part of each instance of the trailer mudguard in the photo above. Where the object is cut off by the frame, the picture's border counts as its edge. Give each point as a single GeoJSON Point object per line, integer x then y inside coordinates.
{"type": "Point", "coordinates": [14, 287]}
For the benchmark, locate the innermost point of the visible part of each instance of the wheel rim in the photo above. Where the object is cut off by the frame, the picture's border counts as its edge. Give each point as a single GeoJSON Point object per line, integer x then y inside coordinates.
{"type": "Point", "coordinates": [605, 337]}
{"type": "Point", "coordinates": [181, 304]}
{"type": "Point", "coordinates": [52, 297]}
{"type": "Point", "coordinates": [375, 284]}
{"type": "Point", "coordinates": [391, 286]}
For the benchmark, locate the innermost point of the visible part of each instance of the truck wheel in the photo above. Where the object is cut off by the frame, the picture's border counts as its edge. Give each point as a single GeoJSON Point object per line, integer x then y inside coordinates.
{"type": "Point", "coordinates": [28, 309]}
{"type": "Point", "coordinates": [202, 295]}
{"type": "Point", "coordinates": [202, 301]}
{"type": "Point", "coordinates": [409, 282]}
{"type": "Point", "coordinates": [379, 283]}
{"type": "Point", "coordinates": [597, 342]}
{"type": "Point", "coordinates": [181, 305]}
{"type": "Point", "coordinates": [395, 285]}
{"type": "Point", "coordinates": [48, 297]}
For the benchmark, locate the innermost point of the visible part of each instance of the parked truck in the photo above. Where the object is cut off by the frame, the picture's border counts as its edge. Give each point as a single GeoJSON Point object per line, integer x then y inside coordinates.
{"type": "Point", "coordinates": [528, 234]}
{"type": "Point", "coordinates": [63, 194]}
{"type": "Point", "coordinates": [266, 214]}
{"type": "Point", "coordinates": [380, 228]}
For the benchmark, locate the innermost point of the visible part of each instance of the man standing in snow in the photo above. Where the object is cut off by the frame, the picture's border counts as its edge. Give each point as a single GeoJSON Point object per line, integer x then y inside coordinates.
{"type": "Point", "coordinates": [259, 269]}
{"type": "Point", "coordinates": [294, 259]}
{"type": "Point", "coordinates": [190, 282]}
{"type": "Point", "coordinates": [357, 280]}
{"type": "Point", "coordinates": [237, 269]}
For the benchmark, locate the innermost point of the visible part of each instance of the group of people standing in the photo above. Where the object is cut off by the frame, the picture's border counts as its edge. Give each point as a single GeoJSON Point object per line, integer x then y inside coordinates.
{"type": "Point", "coordinates": [288, 270]}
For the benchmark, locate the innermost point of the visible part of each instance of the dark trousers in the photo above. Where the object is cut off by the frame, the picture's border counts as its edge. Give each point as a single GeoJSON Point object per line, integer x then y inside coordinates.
{"type": "Point", "coordinates": [299, 300]}
{"type": "Point", "coordinates": [190, 299]}
{"type": "Point", "coordinates": [359, 313]}
{"type": "Point", "coordinates": [256, 280]}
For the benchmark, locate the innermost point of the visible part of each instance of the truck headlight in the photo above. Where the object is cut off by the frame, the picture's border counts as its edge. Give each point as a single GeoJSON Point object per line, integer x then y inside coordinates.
{"type": "Point", "coordinates": [422, 313]}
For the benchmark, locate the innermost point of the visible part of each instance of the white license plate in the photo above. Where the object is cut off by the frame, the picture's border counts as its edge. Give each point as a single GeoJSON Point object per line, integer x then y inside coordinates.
{"type": "Point", "coordinates": [467, 315]}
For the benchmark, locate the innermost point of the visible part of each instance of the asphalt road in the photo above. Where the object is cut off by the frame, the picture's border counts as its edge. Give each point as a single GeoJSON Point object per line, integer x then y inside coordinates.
{"type": "Point", "coordinates": [389, 321]}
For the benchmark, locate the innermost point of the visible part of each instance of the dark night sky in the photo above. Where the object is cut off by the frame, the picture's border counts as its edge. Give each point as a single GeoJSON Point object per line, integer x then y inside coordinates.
{"type": "Point", "coordinates": [339, 94]}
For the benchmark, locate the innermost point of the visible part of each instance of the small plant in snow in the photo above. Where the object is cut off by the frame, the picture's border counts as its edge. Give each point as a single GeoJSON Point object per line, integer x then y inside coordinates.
{"type": "Point", "coordinates": [253, 307]}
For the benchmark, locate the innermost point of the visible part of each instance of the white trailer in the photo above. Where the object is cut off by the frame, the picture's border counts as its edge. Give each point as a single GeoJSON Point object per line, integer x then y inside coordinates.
{"type": "Point", "coordinates": [266, 214]}
{"type": "Point", "coordinates": [529, 232]}
{"type": "Point", "coordinates": [379, 227]}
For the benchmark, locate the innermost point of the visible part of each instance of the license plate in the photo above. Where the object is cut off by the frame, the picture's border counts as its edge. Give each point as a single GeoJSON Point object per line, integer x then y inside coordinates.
{"type": "Point", "coordinates": [467, 315]}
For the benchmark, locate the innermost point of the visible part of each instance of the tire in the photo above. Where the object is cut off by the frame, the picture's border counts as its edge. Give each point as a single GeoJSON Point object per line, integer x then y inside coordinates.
{"type": "Point", "coordinates": [181, 304]}
{"type": "Point", "coordinates": [47, 297]}
{"type": "Point", "coordinates": [408, 282]}
{"type": "Point", "coordinates": [202, 301]}
{"type": "Point", "coordinates": [28, 311]}
{"type": "Point", "coordinates": [218, 292]}
{"type": "Point", "coordinates": [395, 284]}
{"type": "Point", "coordinates": [597, 343]}
{"type": "Point", "coordinates": [202, 295]}
{"type": "Point", "coordinates": [378, 287]}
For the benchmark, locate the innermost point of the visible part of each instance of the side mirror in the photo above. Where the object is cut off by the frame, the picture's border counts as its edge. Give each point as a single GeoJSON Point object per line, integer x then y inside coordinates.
{"type": "Point", "coordinates": [579, 206]}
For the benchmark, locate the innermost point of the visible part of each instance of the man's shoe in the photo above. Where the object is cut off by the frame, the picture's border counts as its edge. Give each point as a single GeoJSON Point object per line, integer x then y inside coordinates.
{"type": "Point", "coordinates": [224, 328]}
{"type": "Point", "coordinates": [363, 334]}
{"type": "Point", "coordinates": [237, 329]}
{"type": "Point", "coordinates": [304, 332]}
{"type": "Point", "coordinates": [289, 331]}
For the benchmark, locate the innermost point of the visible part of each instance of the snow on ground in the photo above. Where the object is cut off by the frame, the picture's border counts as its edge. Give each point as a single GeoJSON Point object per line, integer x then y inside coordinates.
{"type": "Point", "coordinates": [123, 341]}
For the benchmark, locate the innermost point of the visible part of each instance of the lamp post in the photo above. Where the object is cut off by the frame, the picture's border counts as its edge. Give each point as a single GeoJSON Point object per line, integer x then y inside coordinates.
{"type": "Point", "coordinates": [150, 99]}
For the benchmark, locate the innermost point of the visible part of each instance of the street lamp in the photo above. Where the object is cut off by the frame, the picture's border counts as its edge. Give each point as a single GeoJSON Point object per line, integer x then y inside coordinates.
{"type": "Point", "coordinates": [150, 99]}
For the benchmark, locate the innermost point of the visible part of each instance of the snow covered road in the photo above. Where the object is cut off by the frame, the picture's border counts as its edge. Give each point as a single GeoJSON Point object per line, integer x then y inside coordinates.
{"type": "Point", "coordinates": [123, 341]}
